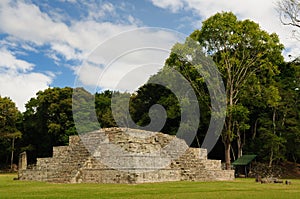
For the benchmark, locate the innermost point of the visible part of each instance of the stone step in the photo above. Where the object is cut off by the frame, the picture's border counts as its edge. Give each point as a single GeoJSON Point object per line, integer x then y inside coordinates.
{"type": "Point", "coordinates": [114, 157]}
{"type": "Point", "coordinates": [60, 151]}
{"type": "Point", "coordinates": [213, 164]}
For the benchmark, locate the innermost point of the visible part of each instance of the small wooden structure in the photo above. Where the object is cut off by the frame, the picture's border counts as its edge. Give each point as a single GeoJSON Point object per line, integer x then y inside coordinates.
{"type": "Point", "coordinates": [243, 164]}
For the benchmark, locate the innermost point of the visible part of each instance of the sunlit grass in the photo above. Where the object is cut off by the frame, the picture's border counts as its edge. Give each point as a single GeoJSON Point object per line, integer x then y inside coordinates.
{"type": "Point", "coordinates": [239, 188]}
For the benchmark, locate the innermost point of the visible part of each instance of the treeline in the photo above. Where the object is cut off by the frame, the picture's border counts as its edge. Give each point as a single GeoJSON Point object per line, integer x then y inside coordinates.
{"type": "Point", "coordinates": [262, 98]}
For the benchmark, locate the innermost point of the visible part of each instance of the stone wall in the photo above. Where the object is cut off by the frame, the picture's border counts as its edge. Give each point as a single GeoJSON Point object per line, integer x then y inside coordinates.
{"type": "Point", "coordinates": [117, 155]}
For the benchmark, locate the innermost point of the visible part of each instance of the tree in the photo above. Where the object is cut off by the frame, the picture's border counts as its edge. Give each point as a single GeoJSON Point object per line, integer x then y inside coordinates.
{"type": "Point", "coordinates": [200, 71]}
{"type": "Point", "coordinates": [241, 51]}
{"type": "Point", "coordinates": [48, 121]}
{"type": "Point", "coordinates": [274, 117]}
{"type": "Point", "coordinates": [83, 111]}
{"type": "Point", "coordinates": [289, 108]}
{"type": "Point", "coordinates": [103, 109]}
{"type": "Point", "coordinates": [9, 116]}
{"type": "Point", "coordinates": [289, 12]}
{"type": "Point", "coordinates": [149, 95]}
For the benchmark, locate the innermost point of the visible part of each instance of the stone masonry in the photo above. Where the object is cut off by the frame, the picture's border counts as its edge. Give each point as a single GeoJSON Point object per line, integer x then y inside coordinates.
{"type": "Point", "coordinates": [117, 155]}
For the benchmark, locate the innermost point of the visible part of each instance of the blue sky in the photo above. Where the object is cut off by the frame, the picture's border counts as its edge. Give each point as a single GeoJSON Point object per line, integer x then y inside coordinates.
{"type": "Point", "coordinates": [45, 43]}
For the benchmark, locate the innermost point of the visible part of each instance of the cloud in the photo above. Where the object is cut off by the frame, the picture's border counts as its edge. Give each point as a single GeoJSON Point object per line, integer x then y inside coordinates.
{"type": "Point", "coordinates": [31, 29]}
{"type": "Point", "coordinates": [17, 80]}
{"type": "Point", "coordinates": [124, 55]}
{"type": "Point", "coordinates": [68, 1]}
{"type": "Point", "coordinates": [173, 5]}
{"type": "Point", "coordinates": [26, 22]}
{"type": "Point", "coordinates": [21, 87]}
{"type": "Point", "coordinates": [262, 12]}
{"type": "Point", "coordinates": [9, 62]}
{"type": "Point", "coordinates": [71, 41]}
{"type": "Point", "coordinates": [97, 11]}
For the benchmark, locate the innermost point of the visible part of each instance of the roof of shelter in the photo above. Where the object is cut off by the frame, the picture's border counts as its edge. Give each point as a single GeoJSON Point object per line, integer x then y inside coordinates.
{"type": "Point", "coordinates": [244, 160]}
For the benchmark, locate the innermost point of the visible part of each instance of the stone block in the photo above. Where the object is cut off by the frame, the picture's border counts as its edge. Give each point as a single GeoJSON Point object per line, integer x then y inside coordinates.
{"type": "Point", "coordinates": [116, 155]}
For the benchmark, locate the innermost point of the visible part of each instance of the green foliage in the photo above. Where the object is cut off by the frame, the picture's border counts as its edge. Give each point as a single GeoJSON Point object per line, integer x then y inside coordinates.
{"type": "Point", "coordinates": [83, 110]}
{"type": "Point", "coordinates": [48, 121]}
{"type": "Point", "coordinates": [262, 97]}
{"type": "Point", "coordinates": [151, 94]}
{"type": "Point", "coordinates": [9, 118]}
{"type": "Point", "coordinates": [278, 128]}
{"type": "Point", "coordinates": [272, 144]}
{"type": "Point", "coordinates": [120, 109]}
{"type": "Point", "coordinates": [103, 109]}
{"type": "Point", "coordinates": [289, 108]}
{"type": "Point", "coordinates": [246, 57]}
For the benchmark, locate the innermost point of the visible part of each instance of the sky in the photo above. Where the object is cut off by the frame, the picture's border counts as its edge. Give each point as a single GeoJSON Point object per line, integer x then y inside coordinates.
{"type": "Point", "coordinates": [96, 44]}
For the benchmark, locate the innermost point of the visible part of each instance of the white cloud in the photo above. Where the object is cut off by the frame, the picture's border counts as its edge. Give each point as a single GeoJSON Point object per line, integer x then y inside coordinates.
{"type": "Point", "coordinates": [88, 34]}
{"type": "Point", "coordinates": [262, 12]}
{"type": "Point", "coordinates": [9, 62]}
{"type": "Point", "coordinates": [21, 87]}
{"type": "Point", "coordinates": [67, 51]}
{"type": "Point", "coordinates": [99, 10]}
{"type": "Point", "coordinates": [134, 55]}
{"type": "Point", "coordinates": [26, 22]}
{"type": "Point", "coordinates": [68, 1]}
{"type": "Point", "coordinates": [17, 81]}
{"type": "Point", "coordinates": [28, 27]}
{"type": "Point", "coordinates": [128, 73]}
{"type": "Point", "coordinates": [173, 5]}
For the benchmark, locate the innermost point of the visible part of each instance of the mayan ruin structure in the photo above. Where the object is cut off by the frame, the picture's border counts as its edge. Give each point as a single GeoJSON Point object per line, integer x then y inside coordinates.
{"type": "Point", "coordinates": [116, 155]}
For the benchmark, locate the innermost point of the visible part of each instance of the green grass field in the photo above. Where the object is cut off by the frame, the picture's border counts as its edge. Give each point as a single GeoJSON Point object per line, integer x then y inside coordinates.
{"type": "Point", "coordinates": [239, 188]}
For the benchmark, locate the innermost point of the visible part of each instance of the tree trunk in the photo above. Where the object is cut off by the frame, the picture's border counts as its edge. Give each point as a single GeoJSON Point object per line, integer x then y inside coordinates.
{"type": "Point", "coordinates": [227, 155]}
{"type": "Point", "coordinates": [227, 136]}
{"type": "Point", "coordinates": [255, 129]}
{"type": "Point", "coordinates": [233, 154]}
{"type": "Point", "coordinates": [274, 132]}
{"type": "Point", "coordinates": [271, 158]}
{"type": "Point", "coordinates": [239, 143]}
{"type": "Point", "coordinates": [12, 153]}
{"type": "Point", "coordinates": [274, 120]}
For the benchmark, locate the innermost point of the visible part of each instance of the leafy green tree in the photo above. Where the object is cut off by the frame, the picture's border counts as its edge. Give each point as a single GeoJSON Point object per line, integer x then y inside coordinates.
{"type": "Point", "coordinates": [190, 61]}
{"type": "Point", "coordinates": [103, 109]}
{"type": "Point", "coordinates": [241, 51]}
{"type": "Point", "coordinates": [272, 144]}
{"type": "Point", "coordinates": [275, 123]}
{"type": "Point", "coordinates": [9, 116]}
{"type": "Point", "coordinates": [240, 116]}
{"type": "Point", "coordinates": [149, 95]}
{"type": "Point", "coordinates": [289, 108]}
{"type": "Point", "coordinates": [48, 121]}
{"type": "Point", "coordinates": [83, 110]}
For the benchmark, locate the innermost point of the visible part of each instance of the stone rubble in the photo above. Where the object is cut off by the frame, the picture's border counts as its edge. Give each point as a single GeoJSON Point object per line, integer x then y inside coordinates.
{"type": "Point", "coordinates": [116, 155]}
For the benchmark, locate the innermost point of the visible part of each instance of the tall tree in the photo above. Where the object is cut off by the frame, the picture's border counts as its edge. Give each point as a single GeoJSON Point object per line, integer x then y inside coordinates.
{"type": "Point", "coordinates": [241, 51]}
{"type": "Point", "coordinates": [103, 109]}
{"type": "Point", "coordinates": [48, 121]}
{"type": "Point", "coordinates": [9, 116]}
{"type": "Point", "coordinates": [289, 108]}
{"type": "Point", "coordinates": [149, 95]}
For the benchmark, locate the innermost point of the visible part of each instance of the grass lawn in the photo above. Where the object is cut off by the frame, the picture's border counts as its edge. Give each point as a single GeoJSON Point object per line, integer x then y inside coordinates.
{"type": "Point", "coordinates": [239, 188]}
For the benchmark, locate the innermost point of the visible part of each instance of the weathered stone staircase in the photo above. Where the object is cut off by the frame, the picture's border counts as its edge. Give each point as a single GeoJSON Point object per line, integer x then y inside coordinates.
{"type": "Point", "coordinates": [125, 156]}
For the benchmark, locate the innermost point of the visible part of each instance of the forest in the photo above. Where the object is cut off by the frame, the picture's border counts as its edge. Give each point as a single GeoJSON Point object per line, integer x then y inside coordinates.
{"type": "Point", "coordinates": [262, 99]}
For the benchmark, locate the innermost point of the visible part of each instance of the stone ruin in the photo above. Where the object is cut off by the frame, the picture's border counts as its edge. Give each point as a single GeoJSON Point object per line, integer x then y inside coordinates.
{"type": "Point", "coordinates": [116, 155]}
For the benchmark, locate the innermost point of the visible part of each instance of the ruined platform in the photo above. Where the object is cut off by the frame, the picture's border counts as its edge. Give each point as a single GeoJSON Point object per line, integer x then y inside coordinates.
{"type": "Point", "coordinates": [117, 155]}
